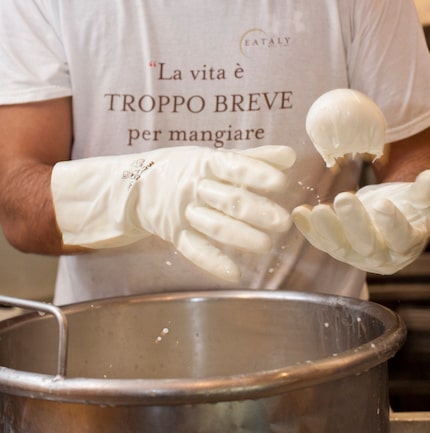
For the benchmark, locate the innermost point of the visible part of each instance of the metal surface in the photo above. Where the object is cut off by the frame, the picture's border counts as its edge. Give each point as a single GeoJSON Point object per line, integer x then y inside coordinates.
{"type": "Point", "coordinates": [410, 422]}
{"type": "Point", "coordinates": [42, 307]}
{"type": "Point", "coordinates": [408, 294]}
{"type": "Point", "coordinates": [236, 361]}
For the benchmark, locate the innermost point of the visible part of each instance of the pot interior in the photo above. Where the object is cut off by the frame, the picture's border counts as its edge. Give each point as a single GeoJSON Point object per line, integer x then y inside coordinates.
{"type": "Point", "coordinates": [199, 335]}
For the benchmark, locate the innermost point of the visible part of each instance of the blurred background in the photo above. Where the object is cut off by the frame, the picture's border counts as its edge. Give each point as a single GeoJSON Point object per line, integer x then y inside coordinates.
{"type": "Point", "coordinates": [408, 293]}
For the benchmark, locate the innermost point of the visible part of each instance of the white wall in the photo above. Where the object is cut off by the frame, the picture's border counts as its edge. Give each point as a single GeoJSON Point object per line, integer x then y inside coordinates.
{"type": "Point", "coordinates": [27, 276]}
{"type": "Point", "coordinates": [423, 7]}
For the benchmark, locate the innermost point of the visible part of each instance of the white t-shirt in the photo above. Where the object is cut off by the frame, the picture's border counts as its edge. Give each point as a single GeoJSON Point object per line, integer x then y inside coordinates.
{"type": "Point", "coordinates": [235, 74]}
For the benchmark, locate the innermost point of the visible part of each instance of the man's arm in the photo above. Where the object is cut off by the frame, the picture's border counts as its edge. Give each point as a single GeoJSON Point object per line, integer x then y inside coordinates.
{"type": "Point", "coordinates": [405, 159]}
{"type": "Point", "coordinates": [33, 137]}
{"type": "Point", "coordinates": [195, 189]}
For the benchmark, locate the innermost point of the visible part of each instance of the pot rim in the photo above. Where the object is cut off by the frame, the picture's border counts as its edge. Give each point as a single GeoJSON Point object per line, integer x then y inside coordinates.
{"type": "Point", "coordinates": [253, 385]}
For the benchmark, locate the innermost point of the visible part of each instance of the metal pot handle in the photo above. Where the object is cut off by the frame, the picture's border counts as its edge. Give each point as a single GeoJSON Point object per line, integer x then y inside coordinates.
{"type": "Point", "coordinates": [61, 320]}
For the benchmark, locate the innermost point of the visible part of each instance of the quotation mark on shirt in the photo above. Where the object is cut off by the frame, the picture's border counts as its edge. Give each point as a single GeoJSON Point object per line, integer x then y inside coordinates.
{"type": "Point", "coordinates": [152, 64]}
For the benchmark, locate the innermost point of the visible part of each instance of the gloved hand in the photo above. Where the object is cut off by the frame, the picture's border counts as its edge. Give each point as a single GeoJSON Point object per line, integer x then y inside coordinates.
{"type": "Point", "coordinates": [380, 229]}
{"type": "Point", "coordinates": [189, 196]}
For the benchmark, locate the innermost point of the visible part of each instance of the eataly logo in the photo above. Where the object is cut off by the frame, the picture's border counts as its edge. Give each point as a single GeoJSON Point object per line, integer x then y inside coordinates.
{"type": "Point", "coordinates": [258, 38]}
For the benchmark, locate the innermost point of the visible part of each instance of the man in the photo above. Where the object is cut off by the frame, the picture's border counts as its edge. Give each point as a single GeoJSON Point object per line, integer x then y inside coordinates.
{"type": "Point", "coordinates": [146, 81]}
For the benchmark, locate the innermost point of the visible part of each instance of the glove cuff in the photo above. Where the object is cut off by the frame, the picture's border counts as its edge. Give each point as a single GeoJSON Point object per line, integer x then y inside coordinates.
{"type": "Point", "coordinates": [94, 200]}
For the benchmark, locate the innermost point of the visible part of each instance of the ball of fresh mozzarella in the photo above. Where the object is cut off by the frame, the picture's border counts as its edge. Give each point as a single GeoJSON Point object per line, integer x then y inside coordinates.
{"type": "Point", "coordinates": [345, 121]}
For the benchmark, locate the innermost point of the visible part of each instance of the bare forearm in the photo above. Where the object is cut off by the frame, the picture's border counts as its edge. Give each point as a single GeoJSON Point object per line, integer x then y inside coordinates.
{"type": "Point", "coordinates": [27, 211]}
{"type": "Point", "coordinates": [405, 159]}
{"type": "Point", "coordinates": [33, 137]}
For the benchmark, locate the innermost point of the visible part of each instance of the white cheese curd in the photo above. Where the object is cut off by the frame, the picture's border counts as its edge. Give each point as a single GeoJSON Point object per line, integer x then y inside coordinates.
{"type": "Point", "coordinates": [345, 121]}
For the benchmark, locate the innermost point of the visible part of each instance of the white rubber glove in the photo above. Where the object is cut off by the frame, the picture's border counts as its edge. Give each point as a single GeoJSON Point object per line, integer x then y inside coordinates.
{"type": "Point", "coordinates": [380, 229]}
{"type": "Point", "coordinates": [189, 196]}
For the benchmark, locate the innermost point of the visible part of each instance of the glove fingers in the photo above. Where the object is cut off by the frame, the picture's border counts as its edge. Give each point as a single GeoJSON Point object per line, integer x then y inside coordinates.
{"type": "Point", "coordinates": [301, 216]}
{"type": "Point", "coordinates": [244, 205]}
{"type": "Point", "coordinates": [419, 193]}
{"type": "Point", "coordinates": [330, 230]}
{"type": "Point", "coordinates": [357, 224]}
{"type": "Point", "coordinates": [326, 231]}
{"type": "Point", "coordinates": [281, 157]}
{"type": "Point", "coordinates": [304, 219]}
{"type": "Point", "coordinates": [198, 250]}
{"type": "Point", "coordinates": [399, 234]}
{"type": "Point", "coordinates": [227, 230]}
{"type": "Point", "coordinates": [248, 172]}
{"type": "Point", "coordinates": [369, 230]}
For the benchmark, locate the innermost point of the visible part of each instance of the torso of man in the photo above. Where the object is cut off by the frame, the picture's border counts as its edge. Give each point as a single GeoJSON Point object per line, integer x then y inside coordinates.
{"type": "Point", "coordinates": [226, 75]}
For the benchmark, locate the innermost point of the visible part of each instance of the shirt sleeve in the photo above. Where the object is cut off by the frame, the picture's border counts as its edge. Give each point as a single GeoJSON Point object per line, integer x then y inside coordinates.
{"type": "Point", "coordinates": [388, 59]}
{"type": "Point", "coordinates": [33, 65]}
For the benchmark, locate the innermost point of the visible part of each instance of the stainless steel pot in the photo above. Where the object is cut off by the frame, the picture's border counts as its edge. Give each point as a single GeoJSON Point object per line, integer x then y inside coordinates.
{"type": "Point", "coordinates": [207, 362]}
